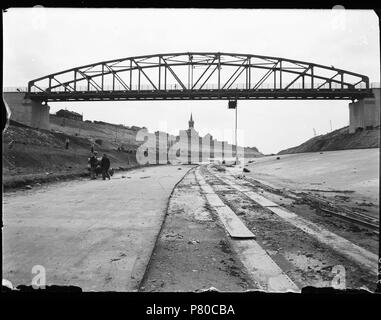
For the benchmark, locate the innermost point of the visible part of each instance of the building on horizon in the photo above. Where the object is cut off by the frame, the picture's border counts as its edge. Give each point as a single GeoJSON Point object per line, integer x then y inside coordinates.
{"type": "Point", "coordinates": [63, 113]}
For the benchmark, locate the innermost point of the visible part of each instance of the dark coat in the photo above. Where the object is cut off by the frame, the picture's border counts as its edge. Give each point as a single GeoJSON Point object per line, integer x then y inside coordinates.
{"type": "Point", "coordinates": [93, 161]}
{"type": "Point", "coordinates": [105, 163]}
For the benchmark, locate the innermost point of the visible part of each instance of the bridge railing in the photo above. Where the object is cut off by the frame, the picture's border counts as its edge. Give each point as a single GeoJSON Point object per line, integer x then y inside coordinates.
{"type": "Point", "coordinates": [177, 87]}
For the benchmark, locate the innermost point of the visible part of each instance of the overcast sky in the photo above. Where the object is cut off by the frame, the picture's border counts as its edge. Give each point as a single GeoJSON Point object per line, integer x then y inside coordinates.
{"type": "Point", "coordinates": [42, 41]}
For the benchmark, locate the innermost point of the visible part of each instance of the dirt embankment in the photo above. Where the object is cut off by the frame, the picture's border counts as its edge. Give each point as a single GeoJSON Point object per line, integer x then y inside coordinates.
{"type": "Point", "coordinates": [110, 136]}
{"type": "Point", "coordinates": [252, 152]}
{"type": "Point", "coordinates": [339, 139]}
{"type": "Point", "coordinates": [34, 156]}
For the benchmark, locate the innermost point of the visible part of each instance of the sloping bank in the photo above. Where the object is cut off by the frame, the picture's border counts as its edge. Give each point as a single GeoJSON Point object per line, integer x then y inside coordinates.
{"type": "Point", "coordinates": [339, 139]}
{"type": "Point", "coordinates": [33, 156]}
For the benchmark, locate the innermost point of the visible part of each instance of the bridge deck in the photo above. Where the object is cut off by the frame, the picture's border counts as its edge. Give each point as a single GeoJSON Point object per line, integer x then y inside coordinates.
{"type": "Point", "coordinates": [214, 94]}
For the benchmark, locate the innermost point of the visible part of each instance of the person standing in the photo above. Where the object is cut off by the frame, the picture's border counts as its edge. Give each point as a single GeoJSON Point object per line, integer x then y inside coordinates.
{"type": "Point", "coordinates": [67, 143]}
{"type": "Point", "coordinates": [92, 148]}
{"type": "Point", "coordinates": [105, 165]}
{"type": "Point", "coordinates": [93, 164]}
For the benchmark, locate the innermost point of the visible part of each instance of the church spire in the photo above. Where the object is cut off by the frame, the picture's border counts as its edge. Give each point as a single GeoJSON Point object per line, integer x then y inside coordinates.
{"type": "Point", "coordinates": [191, 122]}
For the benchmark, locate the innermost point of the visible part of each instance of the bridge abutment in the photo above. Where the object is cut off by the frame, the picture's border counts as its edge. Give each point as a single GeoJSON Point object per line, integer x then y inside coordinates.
{"type": "Point", "coordinates": [365, 113]}
{"type": "Point", "coordinates": [26, 111]}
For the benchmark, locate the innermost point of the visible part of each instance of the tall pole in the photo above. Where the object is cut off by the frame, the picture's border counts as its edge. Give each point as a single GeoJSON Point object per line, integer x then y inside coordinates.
{"type": "Point", "coordinates": [233, 105]}
{"type": "Point", "coordinates": [236, 144]}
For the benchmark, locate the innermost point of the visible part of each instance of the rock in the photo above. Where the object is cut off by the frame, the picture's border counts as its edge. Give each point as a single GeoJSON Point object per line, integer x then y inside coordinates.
{"type": "Point", "coordinates": [245, 170]}
{"type": "Point", "coordinates": [28, 186]}
{"type": "Point", "coordinates": [123, 177]}
{"type": "Point", "coordinates": [179, 168]}
{"type": "Point", "coordinates": [37, 184]}
{"type": "Point", "coordinates": [277, 158]}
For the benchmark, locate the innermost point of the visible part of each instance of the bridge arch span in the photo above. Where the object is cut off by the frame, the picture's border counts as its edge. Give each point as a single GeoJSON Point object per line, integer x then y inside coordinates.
{"type": "Point", "coordinates": [200, 75]}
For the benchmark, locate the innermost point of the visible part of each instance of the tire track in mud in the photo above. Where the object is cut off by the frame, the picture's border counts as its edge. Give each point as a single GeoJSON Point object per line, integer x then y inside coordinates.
{"type": "Point", "coordinates": [303, 258]}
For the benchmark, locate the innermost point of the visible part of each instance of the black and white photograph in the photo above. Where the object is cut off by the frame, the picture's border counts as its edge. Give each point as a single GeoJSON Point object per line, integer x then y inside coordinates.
{"type": "Point", "coordinates": [190, 150]}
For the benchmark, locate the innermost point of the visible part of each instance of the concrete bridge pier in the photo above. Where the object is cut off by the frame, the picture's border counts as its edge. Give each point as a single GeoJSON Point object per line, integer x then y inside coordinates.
{"type": "Point", "coordinates": [32, 113]}
{"type": "Point", "coordinates": [365, 113]}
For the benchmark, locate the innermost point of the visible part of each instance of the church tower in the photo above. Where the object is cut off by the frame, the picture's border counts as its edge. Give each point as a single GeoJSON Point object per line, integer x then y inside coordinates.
{"type": "Point", "coordinates": [191, 122]}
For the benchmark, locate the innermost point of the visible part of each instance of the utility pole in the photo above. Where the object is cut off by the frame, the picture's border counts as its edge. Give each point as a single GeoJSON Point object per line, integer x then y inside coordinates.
{"type": "Point", "coordinates": [330, 123]}
{"type": "Point", "coordinates": [236, 143]}
{"type": "Point", "coordinates": [233, 105]}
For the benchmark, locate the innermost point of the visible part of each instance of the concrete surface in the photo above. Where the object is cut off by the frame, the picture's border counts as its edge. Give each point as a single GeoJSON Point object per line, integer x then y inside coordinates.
{"type": "Point", "coordinates": [351, 172]}
{"type": "Point", "coordinates": [26, 111]}
{"type": "Point", "coordinates": [94, 234]}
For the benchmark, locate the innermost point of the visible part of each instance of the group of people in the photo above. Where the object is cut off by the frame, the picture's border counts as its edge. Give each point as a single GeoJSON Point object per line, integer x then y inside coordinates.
{"type": "Point", "coordinates": [99, 165]}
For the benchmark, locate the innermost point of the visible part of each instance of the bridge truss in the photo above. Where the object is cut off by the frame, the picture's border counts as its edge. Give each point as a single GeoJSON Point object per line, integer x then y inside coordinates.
{"type": "Point", "coordinates": [200, 76]}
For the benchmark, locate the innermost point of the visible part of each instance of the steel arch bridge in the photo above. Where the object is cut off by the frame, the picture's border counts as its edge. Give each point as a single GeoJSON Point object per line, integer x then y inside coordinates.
{"type": "Point", "coordinates": [200, 76]}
